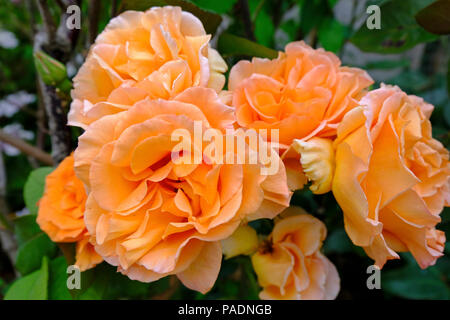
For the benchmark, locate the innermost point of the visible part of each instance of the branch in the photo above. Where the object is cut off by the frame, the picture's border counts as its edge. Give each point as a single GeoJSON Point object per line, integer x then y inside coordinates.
{"type": "Point", "coordinates": [62, 5]}
{"type": "Point", "coordinates": [59, 47]}
{"type": "Point", "coordinates": [245, 14]}
{"type": "Point", "coordinates": [174, 285]}
{"type": "Point", "coordinates": [94, 18]}
{"type": "Point", "coordinates": [8, 241]}
{"type": "Point", "coordinates": [57, 122]}
{"type": "Point", "coordinates": [114, 8]}
{"type": "Point", "coordinates": [47, 18]}
{"type": "Point", "coordinates": [26, 148]}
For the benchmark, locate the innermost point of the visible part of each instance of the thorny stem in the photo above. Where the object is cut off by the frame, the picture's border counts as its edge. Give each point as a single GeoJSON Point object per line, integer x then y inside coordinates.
{"type": "Point", "coordinates": [59, 46]}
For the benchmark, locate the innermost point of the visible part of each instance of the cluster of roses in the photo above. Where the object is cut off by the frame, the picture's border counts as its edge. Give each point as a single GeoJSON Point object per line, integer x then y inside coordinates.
{"type": "Point", "coordinates": [123, 199]}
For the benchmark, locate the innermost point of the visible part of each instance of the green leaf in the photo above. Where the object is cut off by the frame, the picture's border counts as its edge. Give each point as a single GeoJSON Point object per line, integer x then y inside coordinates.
{"type": "Point", "coordinates": [387, 64]}
{"type": "Point", "coordinates": [338, 242]}
{"type": "Point", "coordinates": [57, 289]}
{"type": "Point", "coordinates": [312, 13]}
{"type": "Point", "coordinates": [399, 29]}
{"type": "Point", "coordinates": [98, 288]}
{"type": "Point", "coordinates": [332, 35]}
{"type": "Point", "coordinates": [215, 5]}
{"type": "Point", "coordinates": [29, 256]}
{"type": "Point", "coordinates": [410, 81]}
{"type": "Point", "coordinates": [233, 45]}
{"type": "Point", "coordinates": [33, 244]}
{"type": "Point", "coordinates": [34, 188]}
{"type": "Point", "coordinates": [250, 276]}
{"type": "Point", "coordinates": [436, 17]}
{"type": "Point", "coordinates": [332, 3]}
{"type": "Point", "coordinates": [123, 287]}
{"type": "Point", "coordinates": [209, 19]}
{"type": "Point", "coordinates": [3, 287]}
{"type": "Point", "coordinates": [411, 282]}
{"type": "Point", "coordinates": [25, 228]}
{"type": "Point", "coordinates": [104, 282]}
{"type": "Point", "coordinates": [32, 286]}
{"type": "Point", "coordinates": [264, 29]}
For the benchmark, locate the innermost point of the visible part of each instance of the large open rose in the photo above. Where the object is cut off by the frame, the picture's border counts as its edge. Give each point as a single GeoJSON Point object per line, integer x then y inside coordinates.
{"type": "Point", "coordinates": [290, 265]}
{"type": "Point", "coordinates": [151, 215]}
{"type": "Point", "coordinates": [392, 178]}
{"type": "Point", "coordinates": [61, 213]}
{"type": "Point", "coordinates": [303, 93]}
{"type": "Point", "coordinates": [156, 54]}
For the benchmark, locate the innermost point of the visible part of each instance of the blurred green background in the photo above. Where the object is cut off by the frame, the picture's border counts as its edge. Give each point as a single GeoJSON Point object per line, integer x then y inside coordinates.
{"type": "Point", "coordinates": [402, 52]}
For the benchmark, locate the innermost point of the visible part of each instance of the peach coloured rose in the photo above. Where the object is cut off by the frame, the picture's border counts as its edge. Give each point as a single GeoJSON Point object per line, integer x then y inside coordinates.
{"type": "Point", "coordinates": [156, 54]}
{"type": "Point", "coordinates": [61, 212]}
{"type": "Point", "coordinates": [289, 264]}
{"type": "Point", "coordinates": [303, 93]}
{"type": "Point", "coordinates": [392, 178]}
{"type": "Point", "coordinates": [152, 216]}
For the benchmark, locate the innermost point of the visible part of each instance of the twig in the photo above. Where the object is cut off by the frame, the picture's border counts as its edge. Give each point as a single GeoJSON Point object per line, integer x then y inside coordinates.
{"type": "Point", "coordinates": [31, 8]}
{"type": "Point", "coordinates": [49, 23]}
{"type": "Point", "coordinates": [8, 241]}
{"type": "Point", "coordinates": [59, 48]}
{"type": "Point", "coordinates": [313, 38]}
{"type": "Point", "coordinates": [246, 19]}
{"type": "Point", "coordinates": [26, 148]}
{"type": "Point", "coordinates": [354, 15]}
{"type": "Point", "coordinates": [94, 18]}
{"type": "Point", "coordinates": [257, 10]}
{"type": "Point", "coordinates": [40, 115]}
{"type": "Point", "coordinates": [68, 250]}
{"type": "Point", "coordinates": [114, 8]}
{"type": "Point", "coordinates": [57, 120]}
{"type": "Point", "coordinates": [277, 14]}
{"type": "Point", "coordinates": [174, 284]}
{"type": "Point", "coordinates": [62, 4]}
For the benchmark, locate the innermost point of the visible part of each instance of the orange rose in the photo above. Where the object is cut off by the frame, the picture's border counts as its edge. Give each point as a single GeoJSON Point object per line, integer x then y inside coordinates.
{"type": "Point", "coordinates": [156, 54]}
{"type": "Point", "coordinates": [303, 93]}
{"type": "Point", "coordinates": [392, 178]}
{"type": "Point", "coordinates": [152, 216]}
{"type": "Point", "coordinates": [61, 212]}
{"type": "Point", "coordinates": [289, 264]}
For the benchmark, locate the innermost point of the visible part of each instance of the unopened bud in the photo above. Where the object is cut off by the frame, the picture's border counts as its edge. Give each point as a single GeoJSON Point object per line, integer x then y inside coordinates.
{"type": "Point", "coordinates": [52, 72]}
{"type": "Point", "coordinates": [243, 241]}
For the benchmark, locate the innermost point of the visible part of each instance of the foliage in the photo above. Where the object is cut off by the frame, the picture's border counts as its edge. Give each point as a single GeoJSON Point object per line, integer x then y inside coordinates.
{"type": "Point", "coordinates": [406, 24]}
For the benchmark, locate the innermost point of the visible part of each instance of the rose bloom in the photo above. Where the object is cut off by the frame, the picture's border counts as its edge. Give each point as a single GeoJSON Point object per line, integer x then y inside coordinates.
{"type": "Point", "coordinates": [61, 213]}
{"type": "Point", "coordinates": [153, 216]}
{"type": "Point", "coordinates": [156, 54]}
{"type": "Point", "coordinates": [392, 178]}
{"type": "Point", "coordinates": [303, 93]}
{"type": "Point", "coordinates": [289, 264]}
